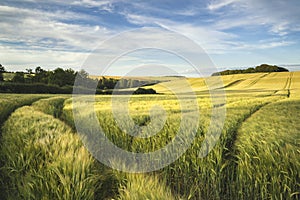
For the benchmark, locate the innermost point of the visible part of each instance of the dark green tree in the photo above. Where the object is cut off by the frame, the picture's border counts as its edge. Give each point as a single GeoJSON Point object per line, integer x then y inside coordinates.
{"type": "Point", "coordinates": [62, 77]}
{"type": "Point", "coordinates": [29, 71]}
{"type": "Point", "coordinates": [41, 75]}
{"type": "Point", "coordinates": [2, 69]}
{"type": "Point", "coordinates": [18, 78]}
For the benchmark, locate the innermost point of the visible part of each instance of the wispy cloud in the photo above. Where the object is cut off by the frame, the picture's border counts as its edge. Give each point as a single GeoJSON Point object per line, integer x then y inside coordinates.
{"type": "Point", "coordinates": [103, 5]}
{"type": "Point", "coordinates": [215, 5]}
{"type": "Point", "coordinates": [31, 26]}
{"type": "Point", "coordinates": [210, 39]}
{"type": "Point", "coordinates": [281, 17]}
{"type": "Point", "coordinates": [20, 59]}
{"type": "Point", "coordinates": [73, 28]}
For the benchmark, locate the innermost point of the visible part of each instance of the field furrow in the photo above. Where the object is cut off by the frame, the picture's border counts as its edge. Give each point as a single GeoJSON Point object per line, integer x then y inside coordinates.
{"type": "Point", "coordinates": [267, 153]}
{"type": "Point", "coordinates": [10, 102]}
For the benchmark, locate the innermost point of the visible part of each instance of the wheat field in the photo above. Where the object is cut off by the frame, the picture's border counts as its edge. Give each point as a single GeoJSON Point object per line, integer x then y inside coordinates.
{"type": "Point", "coordinates": [256, 157]}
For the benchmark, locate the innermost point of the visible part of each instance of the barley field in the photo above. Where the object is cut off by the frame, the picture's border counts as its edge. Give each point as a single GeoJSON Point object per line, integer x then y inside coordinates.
{"type": "Point", "coordinates": [257, 155]}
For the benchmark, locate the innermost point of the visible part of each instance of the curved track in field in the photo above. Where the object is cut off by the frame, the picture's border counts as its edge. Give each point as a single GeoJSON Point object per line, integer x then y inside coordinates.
{"type": "Point", "coordinates": [5, 114]}
{"type": "Point", "coordinates": [230, 154]}
{"type": "Point", "coordinates": [11, 108]}
{"type": "Point", "coordinates": [289, 83]}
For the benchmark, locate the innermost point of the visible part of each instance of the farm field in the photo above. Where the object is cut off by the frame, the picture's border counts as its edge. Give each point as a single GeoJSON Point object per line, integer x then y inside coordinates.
{"type": "Point", "coordinates": [256, 157]}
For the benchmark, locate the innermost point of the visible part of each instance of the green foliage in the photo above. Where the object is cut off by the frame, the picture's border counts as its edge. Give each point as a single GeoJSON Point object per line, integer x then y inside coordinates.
{"type": "Point", "coordinates": [19, 78]}
{"type": "Point", "coordinates": [41, 76]}
{"type": "Point", "coordinates": [60, 81]}
{"type": "Point", "coordinates": [62, 77]}
{"type": "Point", "coordinates": [59, 77]}
{"type": "Point", "coordinates": [2, 69]}
{"type": "Point", "coordinates": [34, 88]}
{"type": "Point", "coordinates": [270, 68]}
{"type": "Point", "coordinates": [123, 83]}
{"type": "Point", "coordinates": [144, 91]}
{"type": "Point", "coordinates": [107, 83]}
{"type": "Point", "coordinates": [258, 69]}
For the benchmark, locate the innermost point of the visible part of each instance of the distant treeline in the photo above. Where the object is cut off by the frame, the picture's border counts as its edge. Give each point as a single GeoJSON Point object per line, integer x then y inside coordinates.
{"type": "Point", "coordinates": [258, 69]}
{"type": "Point", "coordinates": [61, 81]}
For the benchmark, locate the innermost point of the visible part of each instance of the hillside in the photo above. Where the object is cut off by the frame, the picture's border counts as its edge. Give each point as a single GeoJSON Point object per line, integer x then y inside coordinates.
{"type": "Point", "coordinates": [248, 84]}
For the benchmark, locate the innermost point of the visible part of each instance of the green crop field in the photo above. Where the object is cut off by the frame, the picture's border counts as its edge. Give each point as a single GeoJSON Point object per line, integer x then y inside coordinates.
{"type": "Point", "coordinates": [256, 157]}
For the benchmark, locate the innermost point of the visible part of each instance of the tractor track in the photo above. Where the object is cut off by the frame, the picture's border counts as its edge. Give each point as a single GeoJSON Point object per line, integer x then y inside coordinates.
{"type": "Point", "coordinates": [256, 80]}
{"type": "Point", "coordinates": [230, 153]}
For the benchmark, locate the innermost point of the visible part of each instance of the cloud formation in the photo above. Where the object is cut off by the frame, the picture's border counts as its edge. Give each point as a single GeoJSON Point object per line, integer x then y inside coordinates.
{"type": "Point", "coordinates": [52, 33]}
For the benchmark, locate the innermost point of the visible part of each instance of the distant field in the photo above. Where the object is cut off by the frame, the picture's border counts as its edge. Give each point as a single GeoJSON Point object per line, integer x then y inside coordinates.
{"type": "Point", "coordinates": [256, 157]}
{"type": "Point", "coordinates": [8, 76]}
{"type": "Point", "coordinates": [253, 84]}
{"type": "Point", "coordinates": [163, 78]}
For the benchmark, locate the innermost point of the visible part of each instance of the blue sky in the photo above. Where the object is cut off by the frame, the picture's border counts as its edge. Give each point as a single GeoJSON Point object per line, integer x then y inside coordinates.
{"type": "Point", "coordinates": [234, 33]}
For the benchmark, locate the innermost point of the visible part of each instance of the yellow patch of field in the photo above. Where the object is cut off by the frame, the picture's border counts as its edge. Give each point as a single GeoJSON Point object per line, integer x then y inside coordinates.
{"type": "Point", "coordinates": [295, 85]}
{"type": "Point", "coordinates": [276, 83]}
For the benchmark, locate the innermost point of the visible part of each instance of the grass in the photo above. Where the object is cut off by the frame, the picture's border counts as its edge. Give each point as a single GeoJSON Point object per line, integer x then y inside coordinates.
{"type": "Point", "coordinates": [268, 154]}
{"type": "Point", "coordinates": [256, 156]}
{"type": "Point", "coordinates": [45, 160]}
{"type": "Point", "coordinates": [190, 176]}
{"type": "Point", "coordinates": [9, 102]}
{"type": "Point", "coordinates": [141, 186]}
{"type": "Point", "coordinates": [51, 106]}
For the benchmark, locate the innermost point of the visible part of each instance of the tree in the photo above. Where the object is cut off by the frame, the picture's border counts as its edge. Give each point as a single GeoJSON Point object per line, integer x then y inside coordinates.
{"type": "Point", "coordinates": [41, 76]}
{"type": "Point", "coordinates": [18, 78]}
{"type": "Point", "coordinates": [57, 77]}
{"type": "Point", "coordinates": [39, 70]}
{"type": "Point", "coordinates": [2, 69]}
{"type": "Point", "coordinates": [144, 91]}
{"type": "Point", "coordinates": [29, 71]}
{"type": "Point", "coordinates": [62, 77]}
{"type": "Point", "coordinates": [257, 69]}
{"type": "Point", "coordinates": [83, 73]}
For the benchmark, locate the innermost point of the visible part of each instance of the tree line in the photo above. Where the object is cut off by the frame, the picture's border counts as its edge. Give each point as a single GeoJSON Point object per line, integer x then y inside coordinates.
{"type": "Point", "coordinates": [61, 81]}
{"type": "Point", "coordinates": [257, 69]}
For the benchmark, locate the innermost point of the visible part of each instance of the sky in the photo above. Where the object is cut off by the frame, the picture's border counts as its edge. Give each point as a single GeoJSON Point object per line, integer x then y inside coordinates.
{"type": "Point", "coordinates": [233, 33]}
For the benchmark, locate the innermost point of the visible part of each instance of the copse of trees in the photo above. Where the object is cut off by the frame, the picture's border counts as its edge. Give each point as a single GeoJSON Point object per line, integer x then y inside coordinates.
{"type": "Point", "coordinates": [270, 68]}
{"type": "Point", "coordinates": [257, 69]}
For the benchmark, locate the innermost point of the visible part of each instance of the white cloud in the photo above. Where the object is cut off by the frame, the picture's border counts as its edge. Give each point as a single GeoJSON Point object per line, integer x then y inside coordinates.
{"type": "Point", "coordinates": [29, 33]}
{"type": "Point", "coordinates": [32, 36]}
{"type": "Point", "coordinates": [17, 59]}
{"type": "Point", "coordinates": [279, 16]}
{"type": "Point", "coordinates": [34, 27]}
{"type": "Point", "coordinates": [102, 5]}
{"type": "Point", "coordinates": [262, 45]}
{"type": "Point", "coordinates": [215, 5]}
{"type": "Point", "coordinates": [212, 40]}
